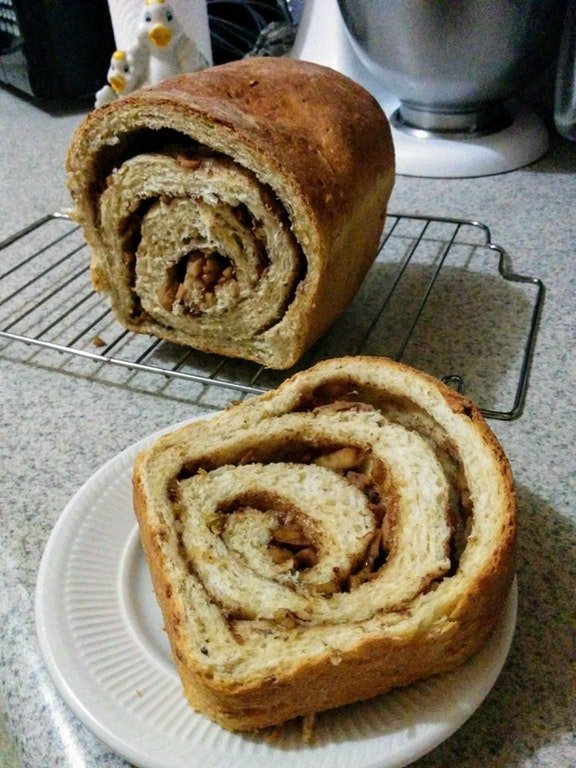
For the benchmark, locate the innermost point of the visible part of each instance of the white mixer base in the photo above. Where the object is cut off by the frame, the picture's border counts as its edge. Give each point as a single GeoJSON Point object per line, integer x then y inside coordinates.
{"type": "Point", "coordinates": [524, 142]}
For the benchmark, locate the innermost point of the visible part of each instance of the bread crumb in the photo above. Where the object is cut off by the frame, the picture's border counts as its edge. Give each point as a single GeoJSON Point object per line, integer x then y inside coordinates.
{"type": "Point", "coordinates": [308, 724]}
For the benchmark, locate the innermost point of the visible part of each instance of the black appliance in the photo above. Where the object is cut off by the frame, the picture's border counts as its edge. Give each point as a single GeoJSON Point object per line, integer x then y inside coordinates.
{"type": "Point", "coordinates": [55, 49]}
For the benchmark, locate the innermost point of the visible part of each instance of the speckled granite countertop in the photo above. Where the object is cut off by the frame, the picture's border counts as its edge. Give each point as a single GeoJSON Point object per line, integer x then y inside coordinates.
{"type": "Point", "coordinates": [57, 428]}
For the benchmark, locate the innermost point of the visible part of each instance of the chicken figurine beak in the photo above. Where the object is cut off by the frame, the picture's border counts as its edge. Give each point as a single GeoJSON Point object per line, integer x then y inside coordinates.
{"type": "Point", "coordinates": [117, 83]}
{"type": "Point", "coordinates": [160, 35]}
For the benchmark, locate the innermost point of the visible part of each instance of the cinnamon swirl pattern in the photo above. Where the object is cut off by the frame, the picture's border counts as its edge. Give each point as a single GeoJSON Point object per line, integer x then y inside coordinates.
{"type": "Point", "coordinates": [348, 533]}
{"type": "Point", "coordinates": [234, 210]}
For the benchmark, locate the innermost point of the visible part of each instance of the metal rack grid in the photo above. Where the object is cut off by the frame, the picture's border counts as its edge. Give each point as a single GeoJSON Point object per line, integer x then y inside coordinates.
{"type": "Point", "coordinates": [440, 296]}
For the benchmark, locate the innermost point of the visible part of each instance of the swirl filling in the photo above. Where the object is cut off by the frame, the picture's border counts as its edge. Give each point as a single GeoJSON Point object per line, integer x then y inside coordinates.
{"type": "Point", "coordinates": [317, 524]}
{"type": "Point", "coordinates": [197, 242]}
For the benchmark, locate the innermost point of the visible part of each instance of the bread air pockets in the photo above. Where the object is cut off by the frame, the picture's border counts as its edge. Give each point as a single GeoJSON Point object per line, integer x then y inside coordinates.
{"type": "Point", "coordinates": [234, 210]}
{"type": "Point", "coordinates": [348, 533]}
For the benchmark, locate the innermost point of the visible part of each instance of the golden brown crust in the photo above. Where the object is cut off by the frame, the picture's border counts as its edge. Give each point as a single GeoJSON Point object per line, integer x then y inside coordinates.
{"type": "Point", "coordinates": [336, 659]}
{"type": "Point", "coordinates": [315, 138]}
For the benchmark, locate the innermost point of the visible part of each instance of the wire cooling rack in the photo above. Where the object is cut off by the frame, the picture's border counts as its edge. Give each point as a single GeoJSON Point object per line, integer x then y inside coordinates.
{"type": "Point", "coordinates": [441, 296]}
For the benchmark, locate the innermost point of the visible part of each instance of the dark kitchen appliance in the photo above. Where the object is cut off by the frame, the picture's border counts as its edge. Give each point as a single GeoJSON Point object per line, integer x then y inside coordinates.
{"type": "Point", "coordinates": [57, 50]}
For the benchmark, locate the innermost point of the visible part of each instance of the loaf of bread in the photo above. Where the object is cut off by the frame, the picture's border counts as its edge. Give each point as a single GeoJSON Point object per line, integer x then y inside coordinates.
{"type": "Point", "coordinates": [350, 532]}
{"type": "Point", "coordinates": [234, 210]}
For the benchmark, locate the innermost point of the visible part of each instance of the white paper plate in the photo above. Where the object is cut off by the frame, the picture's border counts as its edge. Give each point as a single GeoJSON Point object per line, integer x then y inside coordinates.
{"type": "Point", "coordinates": [100, 632]}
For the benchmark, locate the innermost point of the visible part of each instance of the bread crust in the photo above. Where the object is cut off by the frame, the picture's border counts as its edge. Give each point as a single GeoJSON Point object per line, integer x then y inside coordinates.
{"type": "Point", "coordinates": [254, 678]}
{"type": "Point", "coordinates": [318, 141]}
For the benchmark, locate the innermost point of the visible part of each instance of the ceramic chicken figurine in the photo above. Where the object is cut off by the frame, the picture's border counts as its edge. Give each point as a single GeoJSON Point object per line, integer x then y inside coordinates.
{"type": "Point", "coordinates": [170, 51]}
{"type": "Point", "coordinates": [125, 74]}
{"type": "Point", "coordinates": [161, 49]}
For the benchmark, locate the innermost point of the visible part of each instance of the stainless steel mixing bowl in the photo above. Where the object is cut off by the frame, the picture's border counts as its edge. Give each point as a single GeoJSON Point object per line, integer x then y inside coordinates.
{"type": "Point", "coordinates": [453, 63]}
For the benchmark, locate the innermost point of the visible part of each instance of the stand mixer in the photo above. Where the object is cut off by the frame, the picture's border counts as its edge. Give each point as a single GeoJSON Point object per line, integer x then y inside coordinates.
{"type": "Point", "coordinates": [449, 75]}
